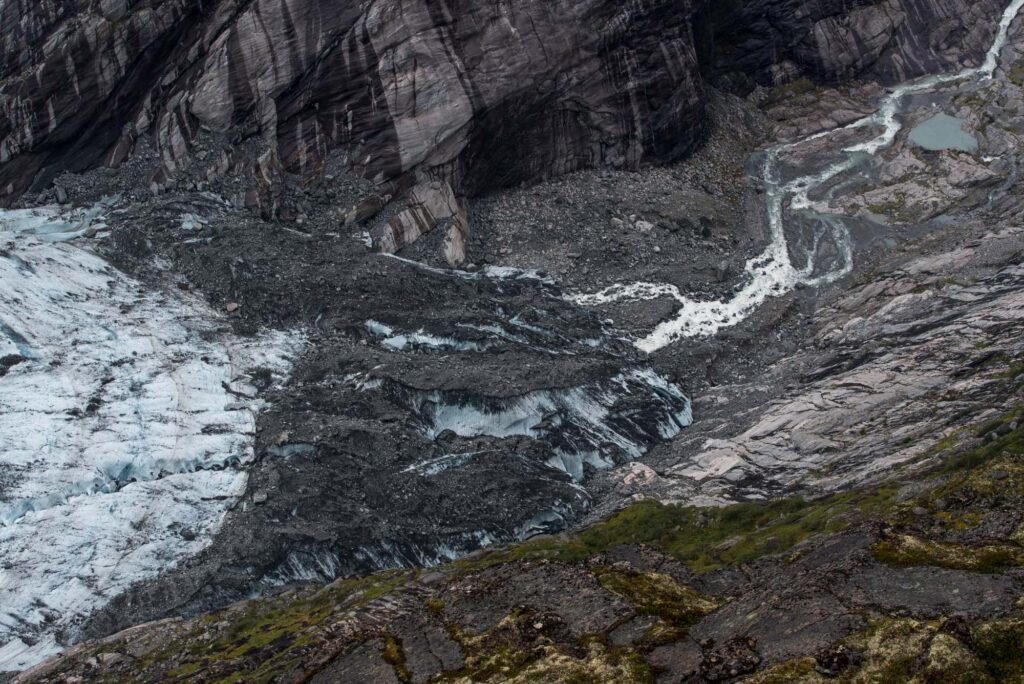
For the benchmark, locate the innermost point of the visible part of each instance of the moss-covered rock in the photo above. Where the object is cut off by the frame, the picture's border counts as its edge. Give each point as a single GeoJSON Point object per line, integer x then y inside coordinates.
{"type": "Point", "coordinates": [653, 593]}
{"type": "Point", "coordinates": [907, 550]}
{"type": "Point", "coordinates": [1000, 645]}
{"type": "Point", "coordinates": [598, 664]}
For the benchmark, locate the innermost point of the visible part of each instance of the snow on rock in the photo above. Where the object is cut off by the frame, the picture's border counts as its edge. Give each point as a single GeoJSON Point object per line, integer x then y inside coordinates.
{"type": "Point", "coordinates": [123, 423]}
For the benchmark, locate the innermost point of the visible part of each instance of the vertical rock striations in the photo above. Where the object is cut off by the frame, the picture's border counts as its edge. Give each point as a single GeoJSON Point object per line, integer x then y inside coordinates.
{"type": "Point", "coordinates": [748, 42]}
{"type": "Point", "coordinates": [478, 94]}
{"type": "Point", "coordinates": [481, 95]}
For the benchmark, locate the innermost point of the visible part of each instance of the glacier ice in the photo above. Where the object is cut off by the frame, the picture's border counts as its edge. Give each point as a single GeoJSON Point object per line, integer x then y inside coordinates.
{"type": "Point", "coordinates": [398, 341]}
{"type": "Point", "coordinates": [600, 423]}
{"type": "Point", "coordinates": [119, 437]}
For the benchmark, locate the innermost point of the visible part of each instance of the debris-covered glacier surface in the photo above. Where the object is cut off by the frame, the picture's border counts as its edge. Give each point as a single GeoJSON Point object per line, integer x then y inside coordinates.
{"type": "Point", "coordinates": [125, 413]}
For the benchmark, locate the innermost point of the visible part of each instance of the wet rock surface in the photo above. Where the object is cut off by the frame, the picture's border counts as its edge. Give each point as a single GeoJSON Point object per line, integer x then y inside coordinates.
{"type": "Point", "coordinates": [485, 97]}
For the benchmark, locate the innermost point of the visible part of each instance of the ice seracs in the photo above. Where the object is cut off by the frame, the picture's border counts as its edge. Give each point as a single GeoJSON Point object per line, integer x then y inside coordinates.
{"type": "Point", "coordinates": [600, 424]}
{"type": "Point", "coordinates": [121, 428]}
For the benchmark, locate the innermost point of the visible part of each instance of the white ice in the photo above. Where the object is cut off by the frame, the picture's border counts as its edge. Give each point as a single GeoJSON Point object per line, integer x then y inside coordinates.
{"type": "Point", "coordinates": [399, 341]}
{"type": "Point", "coordinates": [492, 272]}
{"type": "Point", "coordinates": [586, 415]}
{"type": "Point", "coordinates": [120, 434]}
{"type": "Point", "coordinates": [773, 273]}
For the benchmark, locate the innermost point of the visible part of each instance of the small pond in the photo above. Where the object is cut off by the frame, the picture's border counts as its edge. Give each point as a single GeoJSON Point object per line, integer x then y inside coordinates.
{"type": "Point", "coordinates": [943, 132]}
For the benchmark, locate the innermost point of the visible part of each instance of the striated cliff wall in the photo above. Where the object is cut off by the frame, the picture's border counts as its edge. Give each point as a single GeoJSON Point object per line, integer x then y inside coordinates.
{"type": "Point", "coordinates": [748, 42]}
{"type": "Point", "coordinates": [484, 95]}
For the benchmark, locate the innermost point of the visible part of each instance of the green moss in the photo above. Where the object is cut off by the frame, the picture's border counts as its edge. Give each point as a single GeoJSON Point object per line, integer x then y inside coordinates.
{"type": "Point", "coordinates": [895, 208]}
{"type": "Point", "coordinates": [597, 664]}
{"type": "Point", "coordinates": [395, 655]}
{"type": "Point", "coordinates": [266, 638]}
{"type": "Point", "coordinates": [435, 606]}
{"type": "Point", "coordinates": [1000, 645]}
{"type": "Point", "coordinates": [902, 650]}
{"type": "Point", "coordinates": [949, 660]}
{"type": "Point", "coordinates": [1016, 75]}
{"type": "Point", "coordinates": [908, 550]}
{"type": "Point", "coordinates": [797, 671]}
{"type": "Point", "coordinates": [1013, 371]}
{"type": "Point", "coordinates": [705, 538]}
{"type": "Point", "coordinates": [653, 593]}
{"type": "Point", "coordinates": [892, 650]}
{"type": "Point", "coordinates": [274, 638]}
{"type": "Point", "coordinates": [1003, 442]}
{"type": "Point", "coordinates": [497, 665]}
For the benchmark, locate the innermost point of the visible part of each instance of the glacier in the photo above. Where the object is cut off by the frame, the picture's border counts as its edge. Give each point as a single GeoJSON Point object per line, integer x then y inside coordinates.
{"type": "Point", "coordinates": [126, 415]}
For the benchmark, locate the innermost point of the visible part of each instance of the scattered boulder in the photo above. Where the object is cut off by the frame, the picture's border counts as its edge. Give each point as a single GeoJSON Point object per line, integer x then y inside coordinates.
{"type": "Point", "coordinates": [429, 206]}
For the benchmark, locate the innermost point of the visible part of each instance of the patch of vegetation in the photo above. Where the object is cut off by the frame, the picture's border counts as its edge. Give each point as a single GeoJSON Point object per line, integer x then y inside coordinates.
{"type": "Point", "coordinates": [598, 663]}
{"type": "Point", "coordinates": [803, 88]}
{"type": "Point", "coordinates": [266, 638]}
{"type": "Point", "coordinates": [796, 670]}
{"type": "Point", "coordinates": [524, 647]}
{"type": "Point", "coordinates": [1016, 75]}
{"type": "Point", "coordinates": [653, 593]}
{"type": "Point", "coordinates": [706, 538]}
{"type": "Point", "coordinates": [895, 208]}
{"type": "Point", "coordinates": [1000, 645]}
{"type": "Point", "coordinates": [289, 635]}
{"type": "Point", "coordinates": [435, 606]}
{"type": "Point", "coordinates": [496, 665]}
{"type": "Point", "coordinates": [908, 550]}
{"type": "Point", "coordinates": [897, 651]}
{"type": "Point", "coordinates": [394, 654]}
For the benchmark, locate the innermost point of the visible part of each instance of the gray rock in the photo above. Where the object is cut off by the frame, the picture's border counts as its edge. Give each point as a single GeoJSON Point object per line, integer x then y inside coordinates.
{"type": "Point", "coordinates": [365, 663]}
{"type": "Point", "coordinates": [929, 592]}
{"type": "Point", "coordinates": [482, 95]}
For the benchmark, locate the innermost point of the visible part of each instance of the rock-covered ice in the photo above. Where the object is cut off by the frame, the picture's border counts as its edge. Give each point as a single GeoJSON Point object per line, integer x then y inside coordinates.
{"type": "Point", "coordinates": [599, 424]}
{"type": "Point", "coordinates": [399, 341]}
{"type": "Point", "coordinates": [122, 426]}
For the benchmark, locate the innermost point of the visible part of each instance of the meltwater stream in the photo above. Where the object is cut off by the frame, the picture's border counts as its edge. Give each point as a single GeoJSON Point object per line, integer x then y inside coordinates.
{"type": "Point", "coordinates": [124, 413]}
{"type": "Point", "coordinates": [773, 273]}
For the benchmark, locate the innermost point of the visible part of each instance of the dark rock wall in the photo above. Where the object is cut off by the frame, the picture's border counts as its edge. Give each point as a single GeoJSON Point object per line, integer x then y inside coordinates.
{"type": "Point", "coordinates": [72, 74]}
{"type": "Point", "coordinates": [764, 42]}
{"type": "Point", "coordinates": [484, 95]}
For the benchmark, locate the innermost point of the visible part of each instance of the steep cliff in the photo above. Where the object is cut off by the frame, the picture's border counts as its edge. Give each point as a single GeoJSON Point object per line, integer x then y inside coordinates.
{"type": "Point", "coordinates": [484, 95]}
{"type": "Point", "coordinates": [744, 43]}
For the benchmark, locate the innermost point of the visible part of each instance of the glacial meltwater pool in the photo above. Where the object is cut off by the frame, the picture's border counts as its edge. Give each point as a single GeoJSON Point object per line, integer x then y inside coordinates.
{"type": "Point", "coordinates": [943, 132]}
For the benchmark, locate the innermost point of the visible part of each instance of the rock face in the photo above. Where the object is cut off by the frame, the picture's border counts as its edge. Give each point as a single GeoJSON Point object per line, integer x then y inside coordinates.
{"type": "Point", "coordinates": [480, 95]}
{"type": "Point", "coordinates": [431, 205]}
{"type": "Point", "coordinates": [483, 95]}
{"type": "Point", "coordinates": [775, 41]}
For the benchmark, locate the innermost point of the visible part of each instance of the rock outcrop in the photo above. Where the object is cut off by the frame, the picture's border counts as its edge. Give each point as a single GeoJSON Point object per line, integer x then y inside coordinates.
{"type": "Point", "coordinates": [480, 95]}
{"type": "Point", "coordinates": [746, 43]}
{"type": "Point", "coordinates": [430, 206]}
{"type": "Point", "coordinates": [886, 584]}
